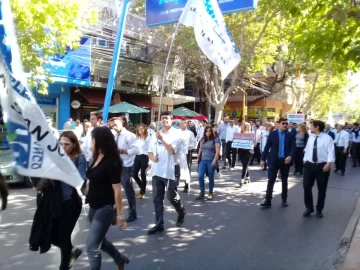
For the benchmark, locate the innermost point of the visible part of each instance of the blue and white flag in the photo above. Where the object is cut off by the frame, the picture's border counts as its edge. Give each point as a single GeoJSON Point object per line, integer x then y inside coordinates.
{"type": "Point", "coordinates": [37, 152]}
{"type": "Point", "coordinates": [211, 34]}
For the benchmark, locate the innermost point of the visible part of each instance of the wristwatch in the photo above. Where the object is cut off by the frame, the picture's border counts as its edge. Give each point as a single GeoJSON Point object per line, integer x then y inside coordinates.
{"type": "Point", "coordinates": [120, 218]}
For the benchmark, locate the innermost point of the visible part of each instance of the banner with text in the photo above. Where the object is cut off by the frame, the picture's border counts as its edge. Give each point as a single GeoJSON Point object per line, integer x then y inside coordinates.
{"type": "Point", "coordinates": [36, 151]}
{"type": "Point", "coordinates": [243, 140]}
{"type": "Point", "coordinates": [296, 118]}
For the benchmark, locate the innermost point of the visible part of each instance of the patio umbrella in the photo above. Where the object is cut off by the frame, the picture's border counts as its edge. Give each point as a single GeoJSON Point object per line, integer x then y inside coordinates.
{"type": "Point", "coordinates": [124, 107]}
{"type": "Point", "coordinates": [182, 111]}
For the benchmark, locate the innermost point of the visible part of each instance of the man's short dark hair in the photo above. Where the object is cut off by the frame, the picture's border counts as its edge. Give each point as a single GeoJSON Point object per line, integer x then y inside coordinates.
{"type": "Point", "coordinates": [356, 124]}
{"type": "Point", "coordinates": [204, 121]}
{"type": "Point", "coordinates": [97, 114]}
{"type": "Point", "coordinates": [319, 124]}
{"type": "Point", "coordinates": [282, 119]}
{"type": "Point", "coordinates": [166, 113]}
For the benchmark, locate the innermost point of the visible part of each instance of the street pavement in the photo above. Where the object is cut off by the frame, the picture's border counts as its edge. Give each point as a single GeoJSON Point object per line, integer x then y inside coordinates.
{"type": "Point", "coordinates": [231, 232]}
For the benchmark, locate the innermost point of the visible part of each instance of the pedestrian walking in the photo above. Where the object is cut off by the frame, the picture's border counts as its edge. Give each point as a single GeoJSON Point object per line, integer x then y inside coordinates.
{"type": "Point", "coordinates": [264, 136]}
{"type": "Point", "coordinates": [207, 159]}
{"type": "Point", "coordinates": [245, 157]}
{"type": "Point", "coordinates": [222, 128]}
{"type": "Point", "coordinates": [280, 153]}
{"type": "Point", "coordinates": [141, 161]}
{"type": "Point", "coordinates": [162, 151]}
{"type": "Point", "coordinates": [125, 141]}
{"type": "Point", "coordinates": [230, 151]}
{"type": "Point", "coordinates": [95, 121]}
{"type": "Point", "coordinates": [355, 145]}
{"type": "Point", "coordinates": [216, 134]}
{"type": "Point", "coordinates": [257, 152]}
{"type": "Point", "coordinates": [329, 132]}
{"type": "Point", "coordinates": [104, 192]}
{"type": "Point", "coordinates": [319, 155]}
{"type": "Point", "coordinates": [342, 141]}
{"type": "Point", "coordinates": [301, 139]}
{"type": "Point", "coordinates": [188, 139]}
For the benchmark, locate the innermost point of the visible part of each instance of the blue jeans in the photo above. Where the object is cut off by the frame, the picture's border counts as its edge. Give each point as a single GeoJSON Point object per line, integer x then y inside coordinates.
{"type": "Point", "coordinates": [206, 166]}
{"type": "Point", "coordinates": [100, 221]}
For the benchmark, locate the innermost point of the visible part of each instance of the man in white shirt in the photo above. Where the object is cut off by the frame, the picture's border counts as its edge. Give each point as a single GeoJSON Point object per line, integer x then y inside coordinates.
{"type": "Point", "coordinates": [342, 140]}
{"type": "Point", "coordinates": [319, 155]}
{"type": "Point", "coordinates": [222, 128]}
{"type": "Point", "coordinates": [152, 129]}
{"type": "Point", "coordinates": [95, 121]}
{"type": "Point", "coordinates": [68, 124]}
{"type": "Point", "coordinates": [162, 152]}
{"type": "Point", "coordinates": [231, 152]}
{"type": "Point", "coordinates": [188, 139]}
{"type": "Point", "coordinates": [125, 141]}
{"type": "Point", "coordinates": [355, 145]}
{"type": "Point", "coordinates": [200, 134]}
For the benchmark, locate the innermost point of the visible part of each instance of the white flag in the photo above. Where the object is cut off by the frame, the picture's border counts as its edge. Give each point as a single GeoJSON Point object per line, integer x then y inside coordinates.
{"type": "Point", "coordinates": [211, 34]}
{"type": "Point", "coordinates": [37, 152]}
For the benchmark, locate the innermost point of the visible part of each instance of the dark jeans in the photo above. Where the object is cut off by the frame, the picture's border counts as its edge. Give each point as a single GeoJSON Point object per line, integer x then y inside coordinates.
{"type": "Point", "coordinates": [100, 221]}
{"type": "Point", "coordinates": [126, 182]}
{"type": "Point", "coordinates": [231, 154]}
{"type": "Point", "coordinates": [189, 159]}
{"type": "Point", "coordinates": [141, 163]}
{"type": "Point", "coordinates": [340, 158]}
{"type": "Point", "coordinates": [206, 166]}
{"type": "Point", "coordinates": [177, 174]}
{"type": "Point", "coordinates": [245, 157]}
{"type": "Point", "coordinates": [257, 155]}
{"type": "Point", "coordinates": [299, 160]}
{"type": "Point", "coordinates": [224, 156]}
{"type": "Point", "coordinates": [63, 227]}
{"type": "Point", "coordinates": [314, 172]}
{"type": "Point", "coordinates": [159, 184]}
{"type": "Point", "coordinates": [272, 175]}
{"type": "Point", "coordinates": [355, 153]}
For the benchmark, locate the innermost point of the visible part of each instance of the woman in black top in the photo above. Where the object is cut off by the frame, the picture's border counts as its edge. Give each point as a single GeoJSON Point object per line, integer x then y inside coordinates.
{"type": "Point", "coordinates": [104, 177]}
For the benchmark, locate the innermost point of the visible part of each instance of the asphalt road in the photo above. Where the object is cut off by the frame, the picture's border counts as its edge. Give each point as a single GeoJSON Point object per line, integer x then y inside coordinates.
{"type": "Point", "coordinates": [230, 233]}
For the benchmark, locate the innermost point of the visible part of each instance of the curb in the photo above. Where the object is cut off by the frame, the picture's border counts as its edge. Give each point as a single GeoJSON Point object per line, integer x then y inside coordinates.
{"type": "Point", "coordinates": [346, 238]}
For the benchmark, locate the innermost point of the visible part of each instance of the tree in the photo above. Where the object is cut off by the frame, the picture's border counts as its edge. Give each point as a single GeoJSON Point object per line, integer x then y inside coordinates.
{"type": "Point", "coordinates": [47, 27]}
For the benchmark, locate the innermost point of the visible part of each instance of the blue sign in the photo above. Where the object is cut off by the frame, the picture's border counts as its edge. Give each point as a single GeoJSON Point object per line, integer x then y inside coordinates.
{"type": "Point", "coordinates": [45, 100]}
{"type": "Point", "coordinates": [160, 12]}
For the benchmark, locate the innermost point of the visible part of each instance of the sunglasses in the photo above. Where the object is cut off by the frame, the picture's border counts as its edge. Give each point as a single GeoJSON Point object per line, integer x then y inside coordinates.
{"type": "Point", "coordinates": [284, 124]}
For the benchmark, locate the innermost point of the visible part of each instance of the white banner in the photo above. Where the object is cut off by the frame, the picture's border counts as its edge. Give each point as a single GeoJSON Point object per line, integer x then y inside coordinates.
{"type": "Point", "coordinates": [37, 152]}
{"type": "Point", "coordinates": [211, 34]}
{"type": "Point", "coordinates": [296, 118]}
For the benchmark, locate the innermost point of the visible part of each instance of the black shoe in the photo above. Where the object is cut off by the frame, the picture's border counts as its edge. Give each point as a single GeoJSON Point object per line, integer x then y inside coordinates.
{"type": "Point", "coordinates": [336, 171]}
{"type": "Point", "coordinates": [342, 173]}
{"type": "Point", "coordinates": [201, 196]}
{"type": "Point", "coordinates": [125, 260]}
{"type": "Point", "coordinates": [308, 212]}
{"type": "Point", "coordinates": [354, 165]}
{"type": "Point", "coordinates": [319, 214]}
{"type": "Point", "coordinates": [75, 254]}
{"type": "Point", "coordinates": [131, 218]}
{"type": "Point", "coordinates": [284, 204]}
{"type": "Point", "coordinates": [181, 218]}
{"type": "Point", "coordinates": [186, 188]}
{"type": "Point", "coordinates": [224, 167]}
{"type": "Point", "coordinates": [265, 169]}
{"type": "Point", "coordinates": [155, 229]}
{"type": "Point", "coordinates": [265, 204]}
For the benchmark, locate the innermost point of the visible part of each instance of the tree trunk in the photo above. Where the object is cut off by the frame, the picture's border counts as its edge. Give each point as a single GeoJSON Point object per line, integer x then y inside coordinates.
{"type": "Point", "coordinates": [218, 113]}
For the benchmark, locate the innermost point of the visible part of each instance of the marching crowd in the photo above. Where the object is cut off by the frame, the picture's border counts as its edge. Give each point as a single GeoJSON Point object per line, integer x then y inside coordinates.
{"type": "Point", "coordinates": [108, 156]}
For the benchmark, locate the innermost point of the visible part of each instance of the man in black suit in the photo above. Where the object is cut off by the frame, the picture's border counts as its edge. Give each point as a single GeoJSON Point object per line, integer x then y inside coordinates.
{"type": "Point", "coordinates": [292, 129]}
{"type": "Point", "coordinates": [280, 153]}
{"type": "Point", "coordinates": [329, 132]}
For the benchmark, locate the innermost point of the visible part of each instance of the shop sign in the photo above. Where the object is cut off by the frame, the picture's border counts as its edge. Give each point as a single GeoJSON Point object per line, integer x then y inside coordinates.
{"type": "Point", "coordinates": [45, 100]}
{"type": "Point", "coordinates": [75, 104]}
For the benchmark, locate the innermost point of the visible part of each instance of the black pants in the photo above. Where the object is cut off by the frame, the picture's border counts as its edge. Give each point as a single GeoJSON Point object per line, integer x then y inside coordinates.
{"type": "Point", "coordinates": [314, 172]}
{"type": "Point", "coordinates": [272, 175]}
{"type": "Point", "coordinates": [257, 155]}
{"type": "Point", "coordinates": [355, 153]}
{"type": "Point", "coordinates": [159, 184]}
{"type": "Point", "coordinates": [231, 154]}
{"type": "Point", "coordinates": [177, 174]}
{"type": "Point", "coordinates": [224, 156]}
{"type": "Point", "coordinates": [63, 227]}
{"type": "Point", "coordinates": [245, 157]}
{"type": "Point", "coordinates": [141, 163]}
{"type": "Point", "coordinates": [299, 160]}
{"type": "Point", "coordinates": [189, 159]}
{"type": "Point", "coordinates": [340, 158]}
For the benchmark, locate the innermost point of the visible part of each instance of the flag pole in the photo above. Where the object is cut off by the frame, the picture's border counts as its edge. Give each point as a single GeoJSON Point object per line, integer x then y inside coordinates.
{"type": "Point", "coordinates": [165, 70]}
{"type": "Point", "coordinates": [115, 59]}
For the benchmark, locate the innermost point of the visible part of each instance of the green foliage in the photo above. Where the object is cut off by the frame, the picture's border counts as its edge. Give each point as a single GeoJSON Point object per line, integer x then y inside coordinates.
{"type": "Point", "coordinates": [50, 25]}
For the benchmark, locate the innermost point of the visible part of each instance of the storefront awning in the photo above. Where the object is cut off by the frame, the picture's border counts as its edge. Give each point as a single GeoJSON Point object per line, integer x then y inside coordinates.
{"type": "Point", "coordinates": [142, 101]}
{"type": "Point", "coordinates": [94, 97]}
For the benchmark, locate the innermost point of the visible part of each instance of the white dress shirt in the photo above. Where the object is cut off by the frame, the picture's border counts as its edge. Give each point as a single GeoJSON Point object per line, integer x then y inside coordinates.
{"type": "Point", "coordinates": [325, 148]}
{"type": "Point", "coordinates": [342, 139]}
{"type": "Point", "coordinates": [230, 132]}
{"type": "Point", "coordinates": [200, 134]}
{"type": "Point", "coordinates": [188, 138]}
{"type": "Point", "coordinates": [126, 141]}
{"type": "Point", "coordinates": [165, 167]}
{"type": "Point", "coordinates": [353, 138]}
{"type": "Point", "coordinates": [85, 146]}
{"type": "Point", "coordinates": [143, 145]}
